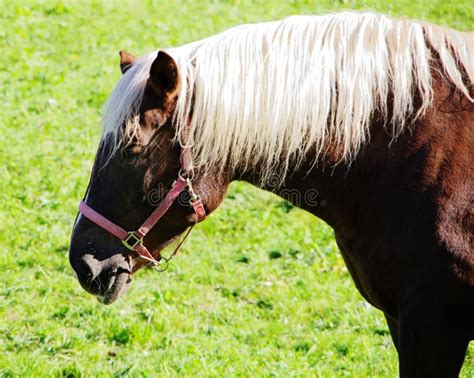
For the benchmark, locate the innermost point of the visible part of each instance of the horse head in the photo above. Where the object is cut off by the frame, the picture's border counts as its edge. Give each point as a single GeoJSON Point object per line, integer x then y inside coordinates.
{"type": "Point", "coordinates": [133, 172]}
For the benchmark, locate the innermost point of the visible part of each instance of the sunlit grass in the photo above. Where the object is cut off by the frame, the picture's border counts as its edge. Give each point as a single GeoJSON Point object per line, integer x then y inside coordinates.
{"type": "Point", "coordinates": [258, 290]}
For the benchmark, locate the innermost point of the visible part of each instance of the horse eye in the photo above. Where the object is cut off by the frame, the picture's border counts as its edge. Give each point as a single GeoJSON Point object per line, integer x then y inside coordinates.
{"type": "Point", "coordinates": [132, 151]}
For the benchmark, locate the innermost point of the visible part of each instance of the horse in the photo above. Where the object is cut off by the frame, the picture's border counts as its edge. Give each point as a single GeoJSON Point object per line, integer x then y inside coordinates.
{"type": "Point", "coordinates": [375, 113]}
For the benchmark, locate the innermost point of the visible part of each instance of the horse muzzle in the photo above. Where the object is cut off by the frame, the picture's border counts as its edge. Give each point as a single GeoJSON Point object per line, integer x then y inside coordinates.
{"type": "Point", "coordinates": [107, 278]}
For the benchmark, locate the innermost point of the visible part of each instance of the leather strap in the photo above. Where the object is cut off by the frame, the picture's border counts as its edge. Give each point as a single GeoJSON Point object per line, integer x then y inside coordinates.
{"type": "Point", "coordinates": [102, 221]}
{"type": "Point", "coordinates": [178, 186]}
{"type": "Point", "coordinates": [144, 253]}
{"type": "Point", "coordinates": [186, 161]}
{"type": "Point", "coordinates": [199, 209]}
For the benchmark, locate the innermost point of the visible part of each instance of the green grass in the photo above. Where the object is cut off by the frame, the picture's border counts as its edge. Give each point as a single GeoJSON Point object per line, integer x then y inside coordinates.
{"type": "Point", "coordinates": [259, 289]}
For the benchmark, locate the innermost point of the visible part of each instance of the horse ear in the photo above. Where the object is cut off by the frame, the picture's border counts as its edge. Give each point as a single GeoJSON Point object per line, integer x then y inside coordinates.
{"type": "Point", "coordinates": [126, 61]}
{"type": "Point", "coordinates": [164, 77]}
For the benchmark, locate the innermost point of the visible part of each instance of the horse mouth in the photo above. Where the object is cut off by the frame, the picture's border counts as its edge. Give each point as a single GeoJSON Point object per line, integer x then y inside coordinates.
{"type": "Point", "coordinates": [118, 285]}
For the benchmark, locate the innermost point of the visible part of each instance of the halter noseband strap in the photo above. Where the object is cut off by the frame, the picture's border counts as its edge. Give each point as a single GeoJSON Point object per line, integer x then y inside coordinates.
{"type": "Point", "coordinates": [133, 240]}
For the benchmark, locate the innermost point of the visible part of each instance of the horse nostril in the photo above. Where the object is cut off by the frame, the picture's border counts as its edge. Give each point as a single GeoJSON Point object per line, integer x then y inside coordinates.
{"type": "Point", "coordinates": [91, 247]}
{"type": "Point", "coordinates": [98, 271]}
{"type": "Point", "coordinates": [88, 270]}
{"type": "Point", "coordinates": [93, 266]}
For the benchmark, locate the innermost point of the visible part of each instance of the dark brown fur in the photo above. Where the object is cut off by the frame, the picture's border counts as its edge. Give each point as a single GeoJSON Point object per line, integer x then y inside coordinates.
{"type": "Point", "coordinates": [402, 213]}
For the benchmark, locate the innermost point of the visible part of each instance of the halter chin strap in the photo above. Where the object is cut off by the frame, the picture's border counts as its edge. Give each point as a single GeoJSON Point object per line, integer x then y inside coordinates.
{"type": "Point", "coordinates": [133, 240]}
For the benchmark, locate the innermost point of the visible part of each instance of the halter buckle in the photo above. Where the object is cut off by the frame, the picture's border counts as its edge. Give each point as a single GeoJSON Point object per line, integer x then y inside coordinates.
{"type": "Point", "coordinates": [135, 240]}
{"type": "Point", "coordinates": [192, 194]}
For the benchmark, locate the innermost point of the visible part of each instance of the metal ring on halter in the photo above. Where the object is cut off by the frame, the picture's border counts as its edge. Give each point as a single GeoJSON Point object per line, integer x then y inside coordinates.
{"type": "Point", "coordinates": [194, 198]}
{"type": "Point", "coordinates": [187, 175]}
{"type": "Point", "coordinates": [184, 145]}
{"type": "Point", "coordinates": [162, 266]}
{"type": "Point", "coordinates": [192, 194]}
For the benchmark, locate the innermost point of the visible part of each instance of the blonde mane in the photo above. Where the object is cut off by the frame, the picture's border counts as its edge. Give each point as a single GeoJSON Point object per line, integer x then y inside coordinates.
{"type": "Point", "coordinates": [265, 94]}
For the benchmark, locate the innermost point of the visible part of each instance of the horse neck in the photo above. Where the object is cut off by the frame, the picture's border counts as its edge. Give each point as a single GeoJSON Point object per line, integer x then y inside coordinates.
{"type": "Point", "coordinates": [344, 194]}
{"type": "Point", "coordinates": [321, 191]}
{"type": "Point", "coordinates": [391, 181]}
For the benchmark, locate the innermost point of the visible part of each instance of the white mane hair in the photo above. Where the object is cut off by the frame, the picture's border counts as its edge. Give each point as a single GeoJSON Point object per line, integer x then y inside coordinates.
{"type": "Point", "coordinates": [265, 94]}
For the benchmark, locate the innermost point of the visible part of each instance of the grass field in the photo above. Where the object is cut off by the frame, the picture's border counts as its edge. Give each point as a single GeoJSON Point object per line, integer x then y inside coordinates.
{"type": "Point", "coordinates": [259, 289]}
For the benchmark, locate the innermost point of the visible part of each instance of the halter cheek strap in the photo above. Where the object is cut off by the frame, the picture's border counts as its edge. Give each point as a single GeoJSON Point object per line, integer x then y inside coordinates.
{"type": "Point", "coordinates": [133, 240]}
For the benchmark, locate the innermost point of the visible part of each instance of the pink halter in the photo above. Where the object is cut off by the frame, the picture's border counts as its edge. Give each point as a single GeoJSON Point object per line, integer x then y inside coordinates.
{"type": "Point", "coordinates": [133, 240]}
